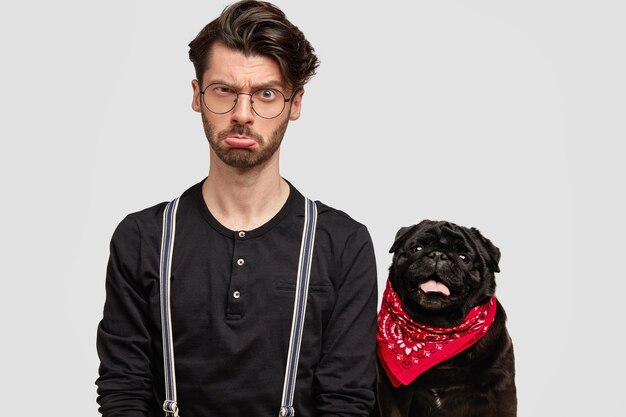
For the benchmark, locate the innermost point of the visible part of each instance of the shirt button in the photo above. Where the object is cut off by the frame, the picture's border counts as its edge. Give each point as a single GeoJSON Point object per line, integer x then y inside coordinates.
{"type": "Point", "coordinates": [242, 234]}
{"type": "Point", "coordinates": [240, 262]}
{"type": "Point", "coordinates": [236, 294]}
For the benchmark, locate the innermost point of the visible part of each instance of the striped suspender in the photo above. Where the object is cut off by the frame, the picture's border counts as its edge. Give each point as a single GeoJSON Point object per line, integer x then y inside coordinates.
{"type": "Point", "coordinates": [170, 405]}
{"type": "Point", "coordinates": [299, 308]}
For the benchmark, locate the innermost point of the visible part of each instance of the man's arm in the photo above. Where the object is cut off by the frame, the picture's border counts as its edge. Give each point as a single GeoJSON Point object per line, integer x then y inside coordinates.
{"type": "Point", "coordinates": [346, 373]}
{"type": "Point", "coordinates": [123, 341]}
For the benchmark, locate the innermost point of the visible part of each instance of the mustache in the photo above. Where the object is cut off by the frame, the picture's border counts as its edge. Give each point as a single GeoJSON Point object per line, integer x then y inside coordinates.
{"type": "Point", "coordinates": [240, 130]}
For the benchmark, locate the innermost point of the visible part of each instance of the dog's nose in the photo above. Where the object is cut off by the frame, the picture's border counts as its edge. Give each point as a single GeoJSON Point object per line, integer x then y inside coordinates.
{"type": "Point", "coordinates": [438, 255]}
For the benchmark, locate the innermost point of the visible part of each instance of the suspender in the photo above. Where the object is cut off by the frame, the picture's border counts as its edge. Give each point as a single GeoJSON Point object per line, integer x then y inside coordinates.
{"type": "Point", "coordinates": [170, 405]}
{"type": "Point", "coordinates": [299, 308]}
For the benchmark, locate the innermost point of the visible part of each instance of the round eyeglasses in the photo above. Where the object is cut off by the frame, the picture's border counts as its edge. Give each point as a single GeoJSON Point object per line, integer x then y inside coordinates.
{"type": "Point", "coordinates": [267, 103]}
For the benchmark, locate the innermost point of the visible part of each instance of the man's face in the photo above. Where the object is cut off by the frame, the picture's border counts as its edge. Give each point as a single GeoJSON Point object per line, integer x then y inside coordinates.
{"type": "Point", "coordinates": [240, 138]}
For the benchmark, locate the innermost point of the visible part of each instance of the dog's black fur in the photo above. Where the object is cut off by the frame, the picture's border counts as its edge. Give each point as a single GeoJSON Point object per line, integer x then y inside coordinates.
{"type": "Point", "coordinates": [479, 381]}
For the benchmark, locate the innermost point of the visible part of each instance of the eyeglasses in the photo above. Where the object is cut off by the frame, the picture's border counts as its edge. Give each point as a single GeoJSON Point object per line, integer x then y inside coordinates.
{"type": "Point", "coordinates": [267, 103]}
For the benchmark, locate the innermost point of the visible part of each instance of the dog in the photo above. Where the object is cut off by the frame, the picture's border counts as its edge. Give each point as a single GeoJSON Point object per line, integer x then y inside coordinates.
{"type": "Point", "coordinates": [443, 346]}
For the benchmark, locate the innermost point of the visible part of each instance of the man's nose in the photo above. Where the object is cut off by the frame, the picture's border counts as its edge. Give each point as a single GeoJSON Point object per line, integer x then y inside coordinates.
{"type": "Point", "coordinates": [242, 113]}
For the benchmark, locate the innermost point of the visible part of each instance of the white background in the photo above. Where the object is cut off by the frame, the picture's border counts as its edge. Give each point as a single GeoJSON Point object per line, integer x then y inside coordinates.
{"type": "Point", "coordinates": [507, 116]}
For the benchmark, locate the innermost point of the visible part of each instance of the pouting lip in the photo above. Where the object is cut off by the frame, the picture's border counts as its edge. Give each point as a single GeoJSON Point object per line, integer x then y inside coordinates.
{"type": "Point", "coordinates": [239, 141]}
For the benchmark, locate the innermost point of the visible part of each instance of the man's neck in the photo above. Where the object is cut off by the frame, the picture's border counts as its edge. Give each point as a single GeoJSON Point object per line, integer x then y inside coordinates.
{"type": "Point", "coordinates": [244, 199]}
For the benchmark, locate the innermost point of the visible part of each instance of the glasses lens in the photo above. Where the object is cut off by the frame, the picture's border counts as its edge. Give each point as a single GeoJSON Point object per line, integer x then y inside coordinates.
{"type": "Point", "coordinates": [268, 103]}
{"type": "Point", "coordinates": [220, 98]}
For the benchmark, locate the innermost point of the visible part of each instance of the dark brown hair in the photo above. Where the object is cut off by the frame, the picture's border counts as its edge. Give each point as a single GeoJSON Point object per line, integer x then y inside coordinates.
{"type": "Point", "coordinates": [257, 28]}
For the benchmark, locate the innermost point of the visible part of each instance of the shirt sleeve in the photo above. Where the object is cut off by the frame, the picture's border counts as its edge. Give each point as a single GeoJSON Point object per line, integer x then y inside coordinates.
{"type": "Point", "coordinates": [123, 339]}
{"type": "Point", "coordinates": [346, 372]}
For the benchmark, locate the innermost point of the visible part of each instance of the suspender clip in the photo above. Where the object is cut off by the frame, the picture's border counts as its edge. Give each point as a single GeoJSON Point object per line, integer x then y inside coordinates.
{"type": "Point", "coordinates": [286, 411]}
{"type": "Point", "coordinates": [171, 408]}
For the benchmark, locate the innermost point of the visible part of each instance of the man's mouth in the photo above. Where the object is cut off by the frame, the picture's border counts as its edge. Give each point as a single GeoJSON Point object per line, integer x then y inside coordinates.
{"type": "Point", "coordinates": [239, 141]}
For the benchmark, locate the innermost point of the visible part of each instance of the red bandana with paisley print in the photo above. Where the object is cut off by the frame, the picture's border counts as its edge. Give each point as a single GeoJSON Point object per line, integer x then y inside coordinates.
{"type": "Point", "coordinates": [407, 349]}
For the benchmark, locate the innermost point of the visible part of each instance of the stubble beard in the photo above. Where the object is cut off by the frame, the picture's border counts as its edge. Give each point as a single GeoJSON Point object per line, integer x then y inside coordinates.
{"type": "Point", "coordinates": [244, 158]}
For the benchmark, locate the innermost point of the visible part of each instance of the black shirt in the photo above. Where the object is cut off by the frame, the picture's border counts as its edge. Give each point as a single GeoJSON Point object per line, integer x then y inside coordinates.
{"type": "Point", "coordinates": [232, 295]}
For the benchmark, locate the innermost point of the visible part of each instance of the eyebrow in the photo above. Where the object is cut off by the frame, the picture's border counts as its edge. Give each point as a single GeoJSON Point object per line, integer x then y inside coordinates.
{"type": "Point", "coordinates": [253, 87]}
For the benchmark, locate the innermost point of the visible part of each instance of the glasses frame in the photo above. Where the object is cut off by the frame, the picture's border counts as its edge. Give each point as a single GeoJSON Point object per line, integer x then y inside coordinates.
{"type": "Point", "coordinates": [285, 100]}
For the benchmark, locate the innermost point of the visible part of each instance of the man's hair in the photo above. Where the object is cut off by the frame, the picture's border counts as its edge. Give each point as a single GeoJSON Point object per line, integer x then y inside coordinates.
{"type": "Point", "coordinates": [257, 28]}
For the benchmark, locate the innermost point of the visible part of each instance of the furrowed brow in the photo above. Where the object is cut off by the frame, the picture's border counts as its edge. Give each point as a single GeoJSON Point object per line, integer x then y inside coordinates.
{"type": "Point", "coordinates": [269, 84]}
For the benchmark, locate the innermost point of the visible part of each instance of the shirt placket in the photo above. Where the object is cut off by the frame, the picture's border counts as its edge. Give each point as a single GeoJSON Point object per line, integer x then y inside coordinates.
{"type": "Point", "coordinates": [237, 293]}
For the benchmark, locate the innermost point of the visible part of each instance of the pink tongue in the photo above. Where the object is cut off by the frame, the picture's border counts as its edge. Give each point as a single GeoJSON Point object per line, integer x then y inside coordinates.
{"type": "Point", "coordinates": [434, 286]}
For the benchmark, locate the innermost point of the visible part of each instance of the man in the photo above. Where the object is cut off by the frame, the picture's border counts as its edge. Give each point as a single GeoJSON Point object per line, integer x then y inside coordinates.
{"type": "Point", "coordinates": [236, 253]}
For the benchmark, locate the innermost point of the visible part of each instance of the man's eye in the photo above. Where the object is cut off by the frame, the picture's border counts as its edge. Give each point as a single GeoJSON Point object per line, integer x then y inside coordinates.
{"type": "Point", "coordinates": [223, 90]}
{"type": "Point", "coordinates": [266, 94]}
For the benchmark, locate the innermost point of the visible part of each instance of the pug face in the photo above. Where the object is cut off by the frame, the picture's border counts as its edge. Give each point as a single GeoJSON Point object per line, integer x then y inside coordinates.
{"type": "Point", "coordinates": [441, 271]}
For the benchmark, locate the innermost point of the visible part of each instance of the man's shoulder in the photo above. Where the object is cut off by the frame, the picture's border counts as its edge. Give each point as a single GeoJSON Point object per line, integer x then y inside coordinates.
{"type": "Point", "coordinates": [151, 217]}
{"type": "Point", "coordinates": [147, 221]}
{"type": "Point", "coordinates": [333, 213]}
{"type": "Point", "coordinates": [148, 214]}
{"type": "Point", "coordinates": [338, 221]}
{"type": "Point", "coordinates": [343, 238]}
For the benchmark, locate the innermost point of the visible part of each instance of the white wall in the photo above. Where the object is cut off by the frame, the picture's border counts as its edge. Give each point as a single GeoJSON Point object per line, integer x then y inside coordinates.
{"type": "Point", "coordinates": [507, 116]}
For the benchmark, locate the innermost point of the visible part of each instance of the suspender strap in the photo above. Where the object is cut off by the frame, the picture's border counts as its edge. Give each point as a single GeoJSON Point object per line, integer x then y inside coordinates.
{"type": "Point", "coordinates": [299, 308]}
{"type": "Point", "coordinates": [170, 406]}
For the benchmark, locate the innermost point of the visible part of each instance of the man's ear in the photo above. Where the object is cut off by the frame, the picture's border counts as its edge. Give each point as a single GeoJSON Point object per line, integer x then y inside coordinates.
{"type": "Point", "coordinates": [196, 101]}
{"type": "Point", "coordinates": [296, 105]}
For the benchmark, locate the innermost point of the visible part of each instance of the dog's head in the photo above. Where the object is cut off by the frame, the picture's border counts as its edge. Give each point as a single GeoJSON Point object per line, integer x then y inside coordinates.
{"type": "Point", "coordinates": [441, 271]}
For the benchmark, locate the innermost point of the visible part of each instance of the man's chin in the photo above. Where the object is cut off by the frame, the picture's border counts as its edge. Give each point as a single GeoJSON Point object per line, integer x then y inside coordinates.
{"type": "Point", "coordinates": [242, 158]}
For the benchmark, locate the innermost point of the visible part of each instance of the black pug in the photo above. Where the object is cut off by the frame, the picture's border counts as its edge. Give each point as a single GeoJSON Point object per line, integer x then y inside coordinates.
{"type": "Point", "coordinates": [443, 348]}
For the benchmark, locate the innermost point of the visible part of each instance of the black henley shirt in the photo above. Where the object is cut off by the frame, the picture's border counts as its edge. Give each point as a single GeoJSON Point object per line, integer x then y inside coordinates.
{"type": "Point", "coordinates": [232, 295]}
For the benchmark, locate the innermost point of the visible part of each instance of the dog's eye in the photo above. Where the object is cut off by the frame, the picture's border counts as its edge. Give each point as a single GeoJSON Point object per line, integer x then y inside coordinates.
{"type": "Point", "coordinates": [415, 249]}
{"type": "Point", "coordinates": [464, 258]}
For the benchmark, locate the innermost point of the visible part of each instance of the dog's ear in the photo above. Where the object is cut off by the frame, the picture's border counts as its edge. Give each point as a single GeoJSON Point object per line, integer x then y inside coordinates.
{"type": "Point", "coordinates": [400, 235]}
{"type": "Point", "coordinates": [403, 233]}
{"type": "Point", "coordinates": [490, 250]}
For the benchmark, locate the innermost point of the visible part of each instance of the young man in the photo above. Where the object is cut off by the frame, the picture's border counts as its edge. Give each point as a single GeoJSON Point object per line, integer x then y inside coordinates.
{"type": "Point", "coordinates": [236, 252]}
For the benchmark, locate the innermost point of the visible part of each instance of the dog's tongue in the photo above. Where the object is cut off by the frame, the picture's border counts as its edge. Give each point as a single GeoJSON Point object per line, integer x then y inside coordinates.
{"type": "Point", "coordinates": [434, 286]}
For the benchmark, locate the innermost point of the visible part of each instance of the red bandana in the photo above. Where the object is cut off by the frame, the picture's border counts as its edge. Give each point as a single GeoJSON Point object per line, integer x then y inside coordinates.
{"type": "Point", "coordinates": [407, 349]}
